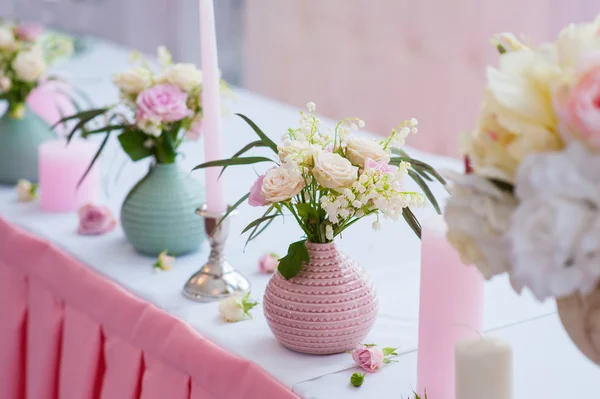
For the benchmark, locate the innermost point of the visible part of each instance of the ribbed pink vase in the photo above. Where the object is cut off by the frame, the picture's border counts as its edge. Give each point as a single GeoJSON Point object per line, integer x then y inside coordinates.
{"type": "Point", "coordinates": [329, 307]}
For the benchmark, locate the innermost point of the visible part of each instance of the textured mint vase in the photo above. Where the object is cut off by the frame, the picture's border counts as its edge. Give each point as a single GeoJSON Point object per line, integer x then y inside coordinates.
{"type": "Point", "coordinates": [329, 307]}
{"type": "Point", "coordinates": [159, 213]}
{"type": "Point", "coordinates": [19, 142]}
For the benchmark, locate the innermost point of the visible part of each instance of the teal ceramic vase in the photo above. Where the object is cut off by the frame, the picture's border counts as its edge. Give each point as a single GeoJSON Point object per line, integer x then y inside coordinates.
{"type": "Point", "coordinates": [159, 213]}
{"type": "Point", "coordinates": [19, 142]}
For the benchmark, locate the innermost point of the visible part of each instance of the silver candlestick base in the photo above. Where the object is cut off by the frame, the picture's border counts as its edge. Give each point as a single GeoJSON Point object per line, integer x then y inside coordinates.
{"type": "Point", "coordinates": [217, 279]}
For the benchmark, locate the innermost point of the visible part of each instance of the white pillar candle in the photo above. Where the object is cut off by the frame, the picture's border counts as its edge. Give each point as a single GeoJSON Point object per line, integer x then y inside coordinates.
{"type": "Point", "coordinates": [483, 369]}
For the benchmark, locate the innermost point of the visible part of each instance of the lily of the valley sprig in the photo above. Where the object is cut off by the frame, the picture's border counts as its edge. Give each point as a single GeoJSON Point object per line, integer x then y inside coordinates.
{"type": "Point", "coordinates": [236, 307]}
{"type": "Point", "coordinates": [327, 180]}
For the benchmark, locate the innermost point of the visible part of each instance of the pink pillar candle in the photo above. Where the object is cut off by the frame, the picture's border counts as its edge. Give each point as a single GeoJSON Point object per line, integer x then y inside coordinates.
{"type": "Point", "coordinates": [211, 106]}
{"type": "Point", "coordinates": [61, 168]}
{"type": "Point", "coordinates": [450, 310]}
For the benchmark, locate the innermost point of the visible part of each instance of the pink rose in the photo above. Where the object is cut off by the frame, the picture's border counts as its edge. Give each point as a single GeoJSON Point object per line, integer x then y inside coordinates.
{"type": "Point", "coordinates": [369, 358]}
{"type": "Point", "coordinates": [256, 197]}
{"type": "Point", "coordinates": [268, 263]}
{"type": "Point", "coordinates": [162, 103]}
{"type": "Point", "coordinates": [380, 166]}
{"type": "Point", "coordinates": [29, 32]}
{"type": "Point", "coordinates": [579, 107]}
{"type": "Point", "coordinates": [95, 220]}
{"type": "Point", "coordinates": [195, 129]}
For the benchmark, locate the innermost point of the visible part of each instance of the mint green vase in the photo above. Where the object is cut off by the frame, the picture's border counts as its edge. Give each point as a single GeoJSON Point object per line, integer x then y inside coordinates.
{"type": "Point", "coordinates": [159, 213]}
{"type": "Point", "coordinates": [19, 142]}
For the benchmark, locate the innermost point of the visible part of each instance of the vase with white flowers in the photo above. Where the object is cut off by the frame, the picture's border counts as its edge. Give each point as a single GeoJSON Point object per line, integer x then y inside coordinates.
{"type": "Point", "coordinates": [25, 53]}
{"type": "Point", "coordinates": [157, 111]}
{"type": "Point", "coordinates": [320, 301]}
{"type": "Point", "coordinates": [528, 204]}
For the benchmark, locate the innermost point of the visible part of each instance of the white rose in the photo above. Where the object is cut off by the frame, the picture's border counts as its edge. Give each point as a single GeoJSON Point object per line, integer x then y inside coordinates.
{"type": "Point", "coordinates": [134, 80]}
{"type": "Point", "coordinates": [333, 171]}
{"type": "Point", "coordinates": [26, 191]}
{"type": "Point", "coordinates": [29, 65]}
{"type": "Point", "coordinates": [478, 217]}
{"type": "Point", "coordinates": [184, 76]}
{"type": "Point", "coordinates": [360, 148]}
{"type": "Point", "coordinates": [281, 184]}
{"type": "Point", "coordinates": [7, 39]}
{"type": "Point", "coordinates": [5, 84]}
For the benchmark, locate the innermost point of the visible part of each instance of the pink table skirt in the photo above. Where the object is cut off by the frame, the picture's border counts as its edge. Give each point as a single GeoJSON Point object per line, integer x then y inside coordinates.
{"type": "Point", "coordinates": [68, 333]}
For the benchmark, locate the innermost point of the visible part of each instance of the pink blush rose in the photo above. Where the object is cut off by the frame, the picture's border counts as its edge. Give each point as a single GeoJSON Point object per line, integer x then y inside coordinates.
{"type": "Point", "coordinates": [268, 263]}
{"type": "Point", "coordinates": [29, 32]}
{"type": "Point", "coordinates": [380, 166]}
{"type": "Point", "coordinates": [580, 112]}
{"type": "Point", "coordinates": [95, 220]}
{"type": "Point", "coordinates": [256, 198]}
{"type": "Point", "coordinates": [369, 358]}
{"type": "Point", "coordinates": [163, 103]}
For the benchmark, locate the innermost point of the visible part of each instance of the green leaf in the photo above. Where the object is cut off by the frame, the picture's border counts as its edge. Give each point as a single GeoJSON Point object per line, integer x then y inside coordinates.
{"type": "Point", "coordinates": [231, 209]}
{"type": "Point", "coordinates": [503, 186]}
{"type": "Point", "coordinates": [79, 125]}
{"type": "Point", "coordinates": [412, 221]}
{"type": "Point", "coordinates": [94, 159]}
{"type": "Point", "coordinates": [255, 233]}
{"type": "Point", "coordinates": [304, 210]}
{"type": "Point", "coordinates": [290, 265]}
{"type": "Point", "coordinates": [132, 142]}
{"type": "Point", "coordinates": [233, 161]}
{"type": "Point", "coordinates": [165, 148]}
{"type": "Point", "coordinates": [389, 351]}
{"type": "Point", "coordinates": [357, 379]}
{"type": "Point", "coordinates": [269, 210]}
{"type": "Point", "coordinates": [248, 304]}
{"type": "Point", "coordinates": [103, 129]}
{"type": "Point", "coordinates": [246, 148]}
{"type": "Point", "coordinates": [259, 221]}
{"type": "Point", "coordinates": [501, 49]}
{"type": "Point", "coordinates": [426, 190]}
{"type": "Point", "coordinates": [265, 139]}
{"type": "Point", "coordinates": [88, 114]}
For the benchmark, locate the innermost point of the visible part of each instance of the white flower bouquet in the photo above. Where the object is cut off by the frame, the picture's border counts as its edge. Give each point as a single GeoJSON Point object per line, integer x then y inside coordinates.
{"type": "Point", "coordinates": [529, 202]}
{"type": "Point", "coordinates": [157, 110]}
{"type": "Point", "coordinates": [25, 53]}
{"type": "Point", "coordinates": [329, 180]}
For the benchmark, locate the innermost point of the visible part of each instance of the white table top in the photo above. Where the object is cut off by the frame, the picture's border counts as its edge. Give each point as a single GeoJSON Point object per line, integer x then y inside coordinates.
{"type": "Point", "coordinates": [394, 271]}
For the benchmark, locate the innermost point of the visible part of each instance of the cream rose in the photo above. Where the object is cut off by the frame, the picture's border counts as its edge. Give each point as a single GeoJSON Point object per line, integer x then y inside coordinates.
{"type": "Point", "coordinates": [358, 149]}
{"type": "Point", "coordinates": [281, 184]}
{"type": "Point", "coordinates": [333, 171]}
{"type": "Point", "coordinates": [184, 76]}
{"type": "Point", "coordinates": [29, 65]}
{"type": "Point", "coordinates": [7, 39]}
{"type": "Point", "coordinates": [134, 80]}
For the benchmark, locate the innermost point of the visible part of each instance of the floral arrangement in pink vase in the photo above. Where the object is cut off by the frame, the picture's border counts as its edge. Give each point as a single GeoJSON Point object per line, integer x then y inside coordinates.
{"type": "Point", "coordinates": [320, 301]}
{"type": "Point", "coordinates": [25, 55]}
{"type": "Point", "coordinates": [529, 202]}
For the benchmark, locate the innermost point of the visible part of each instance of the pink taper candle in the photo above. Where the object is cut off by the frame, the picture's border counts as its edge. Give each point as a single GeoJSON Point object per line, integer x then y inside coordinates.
{"type": "Point", "coordinates": [211, 104]}
{"type": "Point", "coordinates": [451, 309]}
{"type": "Point", "coordinates": [60, 169]}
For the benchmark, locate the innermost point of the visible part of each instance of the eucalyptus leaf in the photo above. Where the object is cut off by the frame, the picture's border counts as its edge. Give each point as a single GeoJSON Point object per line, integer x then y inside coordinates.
{"type": "Point", "coordinates": [291, 264]}
{"type": "Point", "coordinates": [265, 139]}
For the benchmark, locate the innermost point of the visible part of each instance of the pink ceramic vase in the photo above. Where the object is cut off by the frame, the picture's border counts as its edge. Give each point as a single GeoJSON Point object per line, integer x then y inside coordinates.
{"type": "Point", "coordinates": [329, 307]}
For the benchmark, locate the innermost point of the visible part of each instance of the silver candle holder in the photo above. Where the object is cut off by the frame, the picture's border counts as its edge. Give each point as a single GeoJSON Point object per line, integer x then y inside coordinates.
{"type": "Point", "coordinates": [217, 279]}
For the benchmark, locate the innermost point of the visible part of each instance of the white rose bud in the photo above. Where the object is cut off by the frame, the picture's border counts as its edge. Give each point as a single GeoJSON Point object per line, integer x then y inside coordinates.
{"type": "Point", "coordinates": [333, 171]}
{"type": "Point", "coordinates": [361, 148]}
{"type": "Point", "coordinates": [281, 184]}
{"type": "Point", "coordinates": [7, 39]}
{"type": "Point", "coordinates": [134, 80]}
{"type": "Point", "coordinates": [236, 307]}
{"type": "Point", "coordinates": [29, 65]}
{"type": "Point", "coordinates": [26, 191]}
{"type": "Point", "coordinates": [184, 76]}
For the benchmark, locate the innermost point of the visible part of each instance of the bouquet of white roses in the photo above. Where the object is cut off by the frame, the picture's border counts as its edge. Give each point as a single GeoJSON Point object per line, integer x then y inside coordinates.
{"type": "Point", "coordinates": [25, 53]}
{"type": "Point", "coordinates": [329, 180]}
{"type": "Point", "coordinates": [529, 202]}
{"type": "Point", "coordinates": [157, 111]}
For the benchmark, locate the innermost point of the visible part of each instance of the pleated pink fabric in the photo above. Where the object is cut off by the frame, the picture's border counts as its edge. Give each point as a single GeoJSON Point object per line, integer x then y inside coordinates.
{"type": "Point", "coordinates": [68, 333]}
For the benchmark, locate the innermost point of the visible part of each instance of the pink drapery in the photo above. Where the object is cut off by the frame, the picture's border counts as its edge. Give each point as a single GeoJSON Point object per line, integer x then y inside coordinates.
{"type": "Point", "coordinates": [68, 333]}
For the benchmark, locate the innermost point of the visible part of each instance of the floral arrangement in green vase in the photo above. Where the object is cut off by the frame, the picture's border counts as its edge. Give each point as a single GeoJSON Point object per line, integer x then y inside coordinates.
{"type": "Point", "coordinates": [25, 54]}
{"type": "Point", "coordinates": [156, 112]}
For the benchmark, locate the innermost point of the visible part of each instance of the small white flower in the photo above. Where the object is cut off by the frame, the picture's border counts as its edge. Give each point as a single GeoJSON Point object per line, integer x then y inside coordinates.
{"type": "Point", "coordinates": [236, 307]}
{"type": "Point", "coordinates": [329, 232]}
{"type": "Point", "coordinates": [164, 56]}
{"type": "Point", "coordinates": [164, 262]}
{"type": "Point", "coordinates": [311, 106]}
{"type": "Point", "coordinates": [150, 127]}
{"type": "Point", "coordinates": [184, 76]}
{"type": "Point", "coordinates": [354, 126]}
{"type": "Point", "coordinates": [26, 191]}
{"type": "Point", "coordinates": [149, 144]}
{"type": "Point", "coordinates": [414, 121]}
{"type": "Point", "coordinates": [376, 225]}
{"type": "Point", "coordinates": [7, 39]}
{"type": "Point", "coordinates": [361, 123]}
